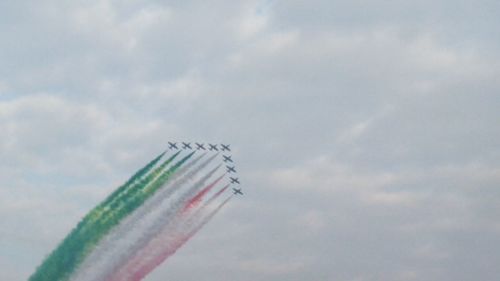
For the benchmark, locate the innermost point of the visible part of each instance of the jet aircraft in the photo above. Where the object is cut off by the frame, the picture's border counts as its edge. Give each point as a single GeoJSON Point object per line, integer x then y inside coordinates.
{"type": "Point", "coordinates": [199, 146]}
{"type": "Point", "coordinates": [231, 169]}
{"type": "Point", "coordinates": [172, 145]}
{"type": "Point", "coordinates": [186, 145]}
{"type": "Point", "coordinates": [237, 191]}
{"type": "Point", "coordinates": [227, 158]}
{"type": "Point", "coordinates": [225, 147]}
{"type": "Point", "coordinates": [212, 147]}
{"type": "Point", "coordinates": [234, 180]}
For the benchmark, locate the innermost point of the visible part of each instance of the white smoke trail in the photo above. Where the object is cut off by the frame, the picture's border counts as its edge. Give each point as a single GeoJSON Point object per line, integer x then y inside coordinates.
{"type": "Point", "coordinates": [96, 262]}
{"type": "Point", "coordinates": [163, 217]}
{"type": "Point", "coordinates": [165, 244]}
{"type": "Point", "coordinates": [112, 251]}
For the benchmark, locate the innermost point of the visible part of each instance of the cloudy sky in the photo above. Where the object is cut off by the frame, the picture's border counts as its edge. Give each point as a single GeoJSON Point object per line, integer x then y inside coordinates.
{"type": "Point", "coordinates": [366, 133]}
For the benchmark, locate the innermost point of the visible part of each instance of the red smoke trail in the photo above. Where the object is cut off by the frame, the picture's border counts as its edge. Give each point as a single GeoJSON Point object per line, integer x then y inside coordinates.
{"type": "Point", "coordinates": [195, 201]}
{"type": "Point", "coordinates": [217, 194]}
{"type": "Point", "coordinates": [168, 251]}
{"type": "Point", "coordinates": [171, 238]}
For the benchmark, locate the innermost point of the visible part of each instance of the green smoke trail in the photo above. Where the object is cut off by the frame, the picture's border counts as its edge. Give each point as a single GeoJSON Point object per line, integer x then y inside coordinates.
{"type": "Point", "coordinates": [111, 206]}
{"type": "Point", "coordinates": [96, 257]}
{"type": "Point", "coordinates": [75, 247]}
{"type": "Point", "coordinates": [136, 198]}
{"type": "Point", "coordinates": [106, 207]}
{"type": "Point", "coordinates": [133, 179]}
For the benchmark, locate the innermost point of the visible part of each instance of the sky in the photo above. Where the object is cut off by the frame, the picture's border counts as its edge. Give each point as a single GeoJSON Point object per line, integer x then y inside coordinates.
{"type": "Point", "coordinates": [365, 133]}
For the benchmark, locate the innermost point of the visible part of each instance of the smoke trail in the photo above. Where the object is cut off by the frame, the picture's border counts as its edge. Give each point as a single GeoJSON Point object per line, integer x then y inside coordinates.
{"type": "Point", "coordinates": [217, 194]}
{"type": "Point", "coordinates": [170, 229]}
{"type": "Point", "coordinates": [184, 223]}
{"type": "Point", "coordinates": [135, 181]}
{"type": "Point", "coordinates": [110, 248]}
{"type": "Point", "coordinates": [163, 218]}
{"type": "Point", "coordinates": [151, 184]}
{"type": "Point", "coordinates": [193, 215]}
{"type": "Point", "coordinates": [111, 205]}
{"type": "Point", "coordinates": [195, 201]}
{"type": "Point", "coordinates": [136, 177]}
{"type": "Point", "coordinates": [167, 192]}
{"type": "Point", "coordinates": [62, 262]}
{"type": "Point", "coordinates": [113, 249]}
{"type": "Point", "coordinates": [51, 266]}
{"type": "Point", "coordinates": [137, 274]}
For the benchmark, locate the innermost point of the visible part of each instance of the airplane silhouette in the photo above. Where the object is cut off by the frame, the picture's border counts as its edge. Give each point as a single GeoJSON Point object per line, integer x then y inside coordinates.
{"type": "Point", "coordinates": [212, 147]}
{"type": "Point", "coordinates": [186, 145]}
{"type": "Point", "coordinates": [237, 191]}
{"type": "Point", "coordinates": [227, 158]}
{"type": "Point", "coordinates": [199, 146]}
{"type": "Point", "coordinates": [230, 169]}
{"type": "Point", "coordinates": [225, 147]}
{"type": "Point", "coordinates": [234, 180]}
{"type": "Point", "coordinates": [172, 145]}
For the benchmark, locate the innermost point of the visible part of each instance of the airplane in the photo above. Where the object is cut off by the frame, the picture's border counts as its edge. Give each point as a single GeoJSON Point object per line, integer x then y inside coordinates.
{"type": "Point", "coordinates": [225, 147]}
{"type": "Point", "coordinates": [227, 158]}
{"type": "Point", "coordinates": [199, 146]}
{"type": "Point", "coordinates": [237, 191]}
{"type": "Point", "coordinates": [186, 145]}
{"type": "Point", "coordinates": [234, 180]}
{"type": "Point", "coordinates": [230, 169]}
{"type": "Point", "coordinates": [172, 145]}
{"type": "Point", "coordinates": [212, 147]}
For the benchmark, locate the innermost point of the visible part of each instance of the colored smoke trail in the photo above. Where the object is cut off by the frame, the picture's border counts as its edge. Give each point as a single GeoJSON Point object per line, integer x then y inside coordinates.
{"type": "Point", "coordinates": [166, 244]}
{"type": "Point", "coordinates": [181, 219]}
{"type": "Point", "coordinates": [162, 220]}
{"type": "Point", "coordinates": [122, 242]}
{"type": "Point", "coordinates": [217, 194]}
{"type": "Point", "coordinates": [166, 252]}
{"type": "Point", "coordinates": [118, 198]}
{"type": "Point", "coordinates": [195, 201]}
{"type": "Point", "coordinates": [121, 199]}
{"type": "Point", "coordinates": [113, 243]}
{"type": "Point", "coordinates": [161, 206]}
{"type": "Point", "coordinates": [136, 177]}
{"type": "Point", "coordinates": [71, 252]}
{"type": "Point", "coordinates": [58, 261]}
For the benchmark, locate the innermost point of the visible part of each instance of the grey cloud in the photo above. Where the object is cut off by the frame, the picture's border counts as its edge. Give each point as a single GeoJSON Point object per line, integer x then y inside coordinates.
{"type": "Point", "coordinates": [364, 133]}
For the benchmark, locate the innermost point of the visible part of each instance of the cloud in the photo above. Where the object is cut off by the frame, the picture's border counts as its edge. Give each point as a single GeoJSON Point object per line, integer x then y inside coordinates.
{"type": "Point", "coordinates": [365, 134]}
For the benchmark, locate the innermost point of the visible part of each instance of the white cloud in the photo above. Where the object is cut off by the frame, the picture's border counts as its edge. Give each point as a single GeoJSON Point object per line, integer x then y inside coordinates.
{"type": "Point", "coordinates": [364, 133]}
{"type": "Point", "coordinates": [251, 24]}
{"type": "Point", "coordinates": [121, 29]}
{"type": "Point", "coordinates": [270, 267]}
{"type": "Point", "coordinates": [313, 220]}
{"type": "Point", "coordinates": [324, 174]}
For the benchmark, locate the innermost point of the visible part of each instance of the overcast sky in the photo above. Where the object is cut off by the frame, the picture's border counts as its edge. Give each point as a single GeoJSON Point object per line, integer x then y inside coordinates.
{"type": "Point", "coordinates": [366, 133]}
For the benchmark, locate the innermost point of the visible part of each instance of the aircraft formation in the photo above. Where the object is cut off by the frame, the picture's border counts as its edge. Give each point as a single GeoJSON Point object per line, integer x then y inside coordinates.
{"type": "Point", "coordinates": [148, 218]}
{"type": "Point", "coordinates": [226, 157]}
